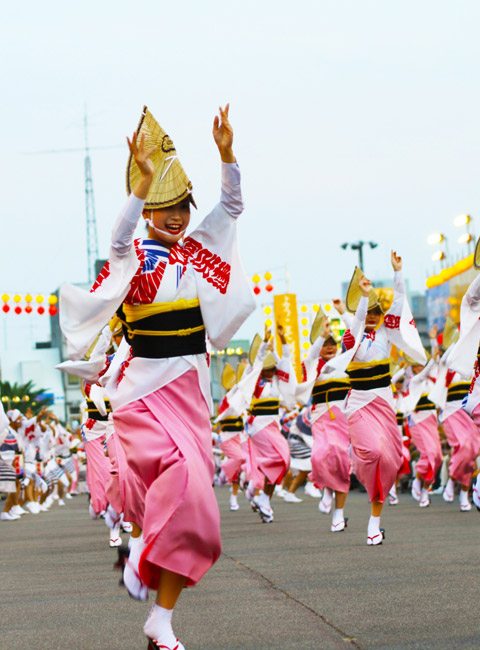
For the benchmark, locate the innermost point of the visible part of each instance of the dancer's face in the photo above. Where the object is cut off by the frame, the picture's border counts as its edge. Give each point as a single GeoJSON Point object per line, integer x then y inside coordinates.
{"type": "Point", "coordinates": [169, 224]}
{"type": "Point", "coordinates": [373, 318]}
{"type": "Point", "coordinates": [329, 349]}
{"type": "Point", "coordinates": [268, 374]}
{"type": "Point", "coordinates": [416, 369]}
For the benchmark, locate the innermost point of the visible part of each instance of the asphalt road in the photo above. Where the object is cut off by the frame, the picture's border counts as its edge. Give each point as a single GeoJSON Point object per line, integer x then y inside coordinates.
{"type": "Point", "coordinates": [287, 585]}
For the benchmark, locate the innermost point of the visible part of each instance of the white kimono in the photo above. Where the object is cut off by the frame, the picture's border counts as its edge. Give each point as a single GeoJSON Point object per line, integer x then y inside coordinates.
{"type": "Point", "coordinates": [206, 266]}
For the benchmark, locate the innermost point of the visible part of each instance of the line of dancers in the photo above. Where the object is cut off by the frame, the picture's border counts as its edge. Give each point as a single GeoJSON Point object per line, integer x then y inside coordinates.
{"type": "Point", "coordinates": [140, 341]}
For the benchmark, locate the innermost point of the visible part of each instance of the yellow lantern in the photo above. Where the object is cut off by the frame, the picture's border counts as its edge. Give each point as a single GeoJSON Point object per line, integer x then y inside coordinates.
{"type": "Point", "coordinates": [28, 298]}
{"type": "Point", "coordinates": [328, 307]}
{"type": "Point", "coordinates": [256, 278]}
{"type": "Point", "coordinates": [316, 307]}
{"type": "Point", "coordinates": [267, 310]}
{"type": "Point", "coordinates": [268, 322]}
{"type": "Point", "coordinates": [305, 332]}
{"type": "Point", "coordinates": [306, 345]}
{"type": "Point", "coordinates": [39, 299]}
{"type": "Point", "coordinates": [17, 298]}
{"type": "Point", "coordinates": [5, 297]}
{"type": "Point", "coordinates": [304, 321]}
{"type": "Point", "coordinates": [52, 300]}
{"type": "Point", "coordinates": [304, 308]}
{"type": "Point", "coordinates": [268, 276]}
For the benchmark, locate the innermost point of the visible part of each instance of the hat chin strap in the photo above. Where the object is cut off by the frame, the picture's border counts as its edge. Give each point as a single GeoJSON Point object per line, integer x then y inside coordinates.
{"type": "Point", "coordinates": [164, 233]}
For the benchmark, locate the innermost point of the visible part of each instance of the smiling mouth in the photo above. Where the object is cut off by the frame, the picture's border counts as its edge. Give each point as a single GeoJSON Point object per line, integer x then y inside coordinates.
{"type": "Point", "coordinates": [174, 228]}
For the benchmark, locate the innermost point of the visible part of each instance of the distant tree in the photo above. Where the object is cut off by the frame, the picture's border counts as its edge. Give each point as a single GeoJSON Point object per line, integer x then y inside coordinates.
{"type": "Point", "coordinates": [22, 396]}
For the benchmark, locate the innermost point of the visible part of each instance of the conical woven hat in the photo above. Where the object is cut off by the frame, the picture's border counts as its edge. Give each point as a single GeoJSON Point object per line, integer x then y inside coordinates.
{"type": "Point", "coordinates": [228, 377]}
{"type": "Point", "coordinates": [240, 370]}
{"type": "Point", "coordinates": [411, 361]}
{"type": "Point", "coordinates": [253, 351]}
{"type": "Point", "coordinates": [450, 333]}
{"type": "Point", "coordinates": [317, 325]}
{"type": "Point", "coordinates": [170, 183]}
{"type": "Point", "coordinates": [269, 361]}
{"type": "Point", "coordinates": [476, 256]}
{"type": "Point", "coordinates": [354, 293]}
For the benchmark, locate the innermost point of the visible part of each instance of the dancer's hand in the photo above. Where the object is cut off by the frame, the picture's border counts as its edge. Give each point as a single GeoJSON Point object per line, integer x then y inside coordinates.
{"type": "Point", "coordinates": [433, 332]}
{"type": "Point", "coordinates": [142, 155]}
{"type": "Point", "coordinates": [281, 333]}
{"type": "Point", "coordinates": [365, 285]}
{"type": "Point", "coordinates": [339, 305]}
{"type": "Point", "coordinates": [268, 334]}
{"type": "Point", "coordinates": [396, 261]}
{"type": "Point", "coordinates": [223, 135]}
{"type": "Point", "coordinates": [325, 330]}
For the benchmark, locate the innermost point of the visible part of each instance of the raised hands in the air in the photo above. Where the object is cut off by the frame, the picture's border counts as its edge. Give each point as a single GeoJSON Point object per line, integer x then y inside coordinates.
{"type": "Point", "coordinates": [223, 135]}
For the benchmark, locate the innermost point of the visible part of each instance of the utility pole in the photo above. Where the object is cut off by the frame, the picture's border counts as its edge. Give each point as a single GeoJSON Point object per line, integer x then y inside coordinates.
{"type": "Point", "coordinates": [92, 239]}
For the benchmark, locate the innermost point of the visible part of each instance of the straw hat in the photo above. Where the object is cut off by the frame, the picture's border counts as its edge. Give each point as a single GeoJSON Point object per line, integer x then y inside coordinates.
{"type": "Point", "coordinates": [269, 361]}
{"type": "Point", "coordinates": [354, 293]}
{"type": "Point", "coordinates": [476, 255]}
{"type": "Point", "coordinates": [450, 333]}
{"type": "Point", "coordinates": [170, 183]}
{"type": "Point", "coordinates": [228, 377]}
{"type": "Point", "coordinates": [317, 325]}
{"type": "Point", "coordinates": [411, 361]}
{"type": "Point", "coordinates": [317, 328]}
{"type": "Point", "coordinates": [240, 370]}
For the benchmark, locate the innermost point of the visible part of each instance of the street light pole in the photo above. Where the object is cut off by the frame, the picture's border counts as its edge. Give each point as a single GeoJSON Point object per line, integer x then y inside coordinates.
{"type": "Point", "coordinates": [358, 246]}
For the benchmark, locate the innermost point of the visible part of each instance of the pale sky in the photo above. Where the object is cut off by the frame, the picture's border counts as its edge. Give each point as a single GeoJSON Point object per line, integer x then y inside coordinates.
{"type": "Point", "coordinates": [353, 119]}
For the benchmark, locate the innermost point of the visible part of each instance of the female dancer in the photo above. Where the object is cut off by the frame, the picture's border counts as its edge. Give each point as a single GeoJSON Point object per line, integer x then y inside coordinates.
{"type": "Point", "coordinates": [170, 295]}
{"type": "Point", "coordinates": [370, 410]}
{"type": "Point", "coordinates": [328, 385]}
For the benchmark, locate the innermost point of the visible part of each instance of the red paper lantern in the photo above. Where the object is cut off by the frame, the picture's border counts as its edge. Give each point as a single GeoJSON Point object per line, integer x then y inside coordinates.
{"type": "Point", "coordinates": [41, 310]}
{"type": "Point", "coordinates": [269, 287]}
{"type": "Point", "coordinates": [6, 308]}
{"type": "Point", "coordinates": [440, 338]}
{"type": "Point", "coordinates": [28, 309]}
{"type": "Point", "coordinates": [52, 310]}
{"type": "Point", "coordinates": [256, 290]}
{"type": "Point", "coordinates": [18, 310]}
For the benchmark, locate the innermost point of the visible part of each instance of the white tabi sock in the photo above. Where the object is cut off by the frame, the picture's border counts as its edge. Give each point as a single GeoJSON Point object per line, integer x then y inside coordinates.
{"type": "Point", "coordinates": [158, 626]}
{"type": "Point", "coordinates": [463, 498]}
{"type": "Point", "coordinates": [373, 526]}
{"type": "Point", "coordinates": [450, 487]}
{"type": "Point", "coordinates": [337, 516]}
{"type": "Point", "coordinates": [327, 497]}
{"type": "Point", "coordinates": [131, 578]}
{"type": "Point", "coordinates": [264, 500]}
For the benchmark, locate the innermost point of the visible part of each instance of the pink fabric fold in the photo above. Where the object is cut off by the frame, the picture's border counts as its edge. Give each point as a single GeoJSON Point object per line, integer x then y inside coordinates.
{"type": "Point", "coordinates": [331, 463]}
{"type": "Point", "coordinates": [235, 458]}
{"type": "Point", "coordinates": [98, 473]}
{"type": "Point", "coordinates": [167, 441]}
{"type": "Point", "coordinates": [426, 439]}
{"type": "Point", "coordinates": [377, 447]}
{"type": "Point", "coordinates": [269, 456]}
{"type": "Point", "coordinates": [463, 438]}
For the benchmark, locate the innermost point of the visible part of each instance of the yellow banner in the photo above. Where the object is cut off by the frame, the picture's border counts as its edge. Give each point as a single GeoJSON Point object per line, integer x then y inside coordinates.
{"type": "Point", "coordinates": [285, 310]}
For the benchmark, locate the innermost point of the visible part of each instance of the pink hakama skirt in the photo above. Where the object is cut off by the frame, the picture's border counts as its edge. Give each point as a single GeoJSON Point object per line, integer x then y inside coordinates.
{"type": "Point", "coordinates": [127, 496]}
{"type": "Point", "coordinates": [98, 473]}
{"type": "Point", "coordinates": [426, 439]}
{"type": "Point", "coordinates": [76, 464]}
{"type": "Point", "coordinates": [167, 439]}
{"type": "Point", "coordinates": [331, 463]}
{"type": "Point", "coordinates": [269, 456]}
{"type": "Point", "coordinates": [377, 447]}
{"type": "Point", "coordinates": [463, 438]}
{"type": "Point", "coordinates": [235, 458]}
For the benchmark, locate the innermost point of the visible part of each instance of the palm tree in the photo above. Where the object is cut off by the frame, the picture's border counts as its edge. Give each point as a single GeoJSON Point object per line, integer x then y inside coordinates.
{"type": "Point", "coordinates": [22, 396]}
